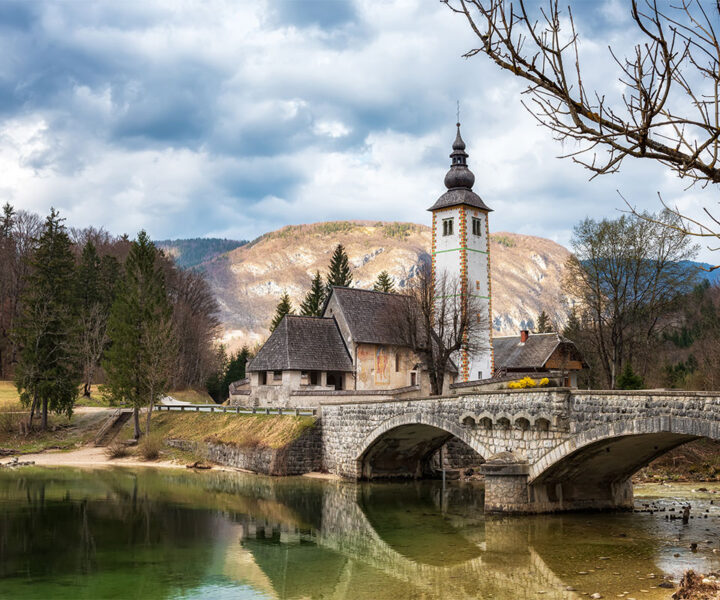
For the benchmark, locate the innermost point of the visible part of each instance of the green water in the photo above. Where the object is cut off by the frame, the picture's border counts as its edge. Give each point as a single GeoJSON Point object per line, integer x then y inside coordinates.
{"type": "Point", "coordinates": [120, 533]}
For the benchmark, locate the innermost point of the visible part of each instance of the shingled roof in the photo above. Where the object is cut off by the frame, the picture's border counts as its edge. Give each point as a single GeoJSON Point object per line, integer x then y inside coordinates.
{"type": "Point", "coordinates": [372, 316]}
{"type": "Point", "coordinates": [458, 196]}
{"type": "Point", "coordinates": [303, 344]}
{"type": "Point", "coordinates": [512, 353]}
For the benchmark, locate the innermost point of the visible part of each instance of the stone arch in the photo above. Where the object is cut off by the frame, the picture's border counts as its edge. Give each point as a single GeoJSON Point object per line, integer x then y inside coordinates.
{"type": "Point", "coordinates": [503, 422]}
{"type": "Point", "coordinates": [415, 433]}
{"type": "Point", "coordinates": [542, 424]}
{"type": "Point", "coordinates": [468, 420]}
{"type": "Point", "coordinates": [522, 421]}
{"type": "Point", "coordinates": [659, 434]}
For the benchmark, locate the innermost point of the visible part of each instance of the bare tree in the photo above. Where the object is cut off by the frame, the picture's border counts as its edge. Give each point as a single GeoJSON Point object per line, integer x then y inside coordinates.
{"type": "Point", "coordinates": [92, 340]}
{"type": "Point", "coordinates": [439, 321]}
{"type": "Point", "coordinates": [159, 349]}
{"type": "Point", "coordinates": [668, 111]}
{"type": "Point", "coordinates": [628, 275]}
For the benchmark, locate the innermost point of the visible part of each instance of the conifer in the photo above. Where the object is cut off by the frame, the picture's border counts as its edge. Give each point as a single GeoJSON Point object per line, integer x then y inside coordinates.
{"type": "Point", "coordinates": [384, 283]}
{"type": "Point", "coordinates": [142, 343]}
{"type": "Point", "coordinates": [339, 272]}
{"type": "Point", "coordinates": [47, 374]}
{"type": "Point", "coordinates": [283, 308]}
{"type": "Point", "coordinates": [543, 324]}
{"type": "Point", "coordinates": [313, 303]}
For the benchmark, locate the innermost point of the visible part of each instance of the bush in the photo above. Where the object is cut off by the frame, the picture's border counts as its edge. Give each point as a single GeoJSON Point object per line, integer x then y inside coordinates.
{"type": "Point", "coordinates": [116, 450]}
{"type": "Point", "coordinates": [528, 382]}
{"type": "Point", "coordinates": [10, 418]}
{"type": "Point", "coordinates": [149, 447]}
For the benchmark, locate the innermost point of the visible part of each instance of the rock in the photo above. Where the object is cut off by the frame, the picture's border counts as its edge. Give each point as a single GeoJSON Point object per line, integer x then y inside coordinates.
{"type": "Point", "coordinates": [596, 595]}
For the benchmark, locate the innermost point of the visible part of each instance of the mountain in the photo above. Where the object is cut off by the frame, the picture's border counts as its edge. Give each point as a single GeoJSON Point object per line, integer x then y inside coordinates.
{"type": "Point", "coordinates": [192, 252]}
{"type": "Point", "coordinates": [249, 279]}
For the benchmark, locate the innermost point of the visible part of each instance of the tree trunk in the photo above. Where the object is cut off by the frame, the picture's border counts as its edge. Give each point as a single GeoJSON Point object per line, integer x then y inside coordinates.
{"type": "Point", "coordinates": [44, 422]}
{"type": "Point", "coordinates": [33, 408]}
{"type": "Point", "coordinates": [149, 416]}
{"type": "Point", "coordinates": [87, 389]}
{"type": "Point", "coordinates": [136, 422]}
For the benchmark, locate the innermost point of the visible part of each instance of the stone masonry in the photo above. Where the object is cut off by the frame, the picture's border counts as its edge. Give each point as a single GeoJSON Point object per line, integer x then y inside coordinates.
{"type": "Point", "coordinates": [545, 449]}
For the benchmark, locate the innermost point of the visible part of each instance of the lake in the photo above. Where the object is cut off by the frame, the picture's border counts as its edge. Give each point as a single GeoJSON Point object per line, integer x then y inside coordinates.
{"type": "Point", "coordinates": [146, 533]}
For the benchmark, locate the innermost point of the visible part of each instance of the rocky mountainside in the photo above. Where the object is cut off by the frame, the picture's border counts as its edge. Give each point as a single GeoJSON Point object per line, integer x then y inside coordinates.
{"type": "Point", "coordinates": [248, 280]}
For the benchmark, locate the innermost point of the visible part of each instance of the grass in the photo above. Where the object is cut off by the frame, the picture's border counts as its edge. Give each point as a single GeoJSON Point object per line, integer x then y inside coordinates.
{"type": "Point", "coordinates": [238, 430]}
{"type": "Point", "coordinates": [192, 396]}
{"type": "Point", "coordinates": [9, 397]}
{"type": "Point", "coordinates": [150, 446]}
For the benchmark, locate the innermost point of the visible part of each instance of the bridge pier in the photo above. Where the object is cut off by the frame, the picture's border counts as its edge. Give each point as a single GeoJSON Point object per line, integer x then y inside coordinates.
{"type": "Point", "coordinates": [509, 491]}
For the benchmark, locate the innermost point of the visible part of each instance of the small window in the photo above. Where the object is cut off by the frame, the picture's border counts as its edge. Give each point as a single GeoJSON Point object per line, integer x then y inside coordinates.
{"type": "Point", "coordinates": [413, 378]}
{"type": "Point", "coordinates": [479, 374]}
{"type": "Point", "coordinates": [397, 362]}
{"type": "Point", "coordinates": [277, 375]}
{"type": "Point", "coordinates": [477, 284]}
{"type": "Point", "coordinates": [263, 378]}
{"type": "Point", "coordinates": [477, 227]}
{"type": "Point", "coordinates": [447, 226]}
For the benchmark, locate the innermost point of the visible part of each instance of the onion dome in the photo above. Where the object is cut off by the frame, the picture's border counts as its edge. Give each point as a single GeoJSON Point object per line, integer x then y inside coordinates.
{"type": "Point", "coordinates": [459, 176]}
{"type": "Point", "coordinates": [459, 180]}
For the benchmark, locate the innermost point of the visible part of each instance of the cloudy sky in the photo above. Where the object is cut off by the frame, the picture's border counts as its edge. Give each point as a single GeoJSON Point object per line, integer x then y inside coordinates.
{"type": "Point", "coordinates": [231, 119]}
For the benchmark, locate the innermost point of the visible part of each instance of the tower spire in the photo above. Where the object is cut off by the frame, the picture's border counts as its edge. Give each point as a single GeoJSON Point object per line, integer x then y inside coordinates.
{"type": "Point", "coordinates": [459, 176]}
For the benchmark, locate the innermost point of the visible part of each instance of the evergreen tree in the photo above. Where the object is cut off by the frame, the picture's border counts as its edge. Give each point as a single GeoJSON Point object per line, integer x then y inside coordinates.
{"type": "Point", "coordinates": [235, 370]}
{"type": "Point", "coordinates": [283, 308]}
{"type": "Point", "coordinates": [629, 380]}
{"type": "Point", "coordinates": [142, 345]}
{"type": "Point", "coordinates": [314, 300]}
{"type": "Point", "coordinates": [47, 374]}
{"type": "Point", "coordinates": [339, 272]}
{"type": "Point", "coordinates": [543, 324]}
{"type": "Point", "coordinates": [573, 326]}
{"type": "Point", "coordinates": [214, 383]}
{"type": "Point", "coordinates": [384, 283]}
{"type": "Point", "coordinates": [95, 285]}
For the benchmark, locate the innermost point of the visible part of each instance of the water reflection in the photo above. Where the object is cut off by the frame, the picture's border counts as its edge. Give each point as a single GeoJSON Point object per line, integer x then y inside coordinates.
{"type": "Point", "coordinates": [146, 534]}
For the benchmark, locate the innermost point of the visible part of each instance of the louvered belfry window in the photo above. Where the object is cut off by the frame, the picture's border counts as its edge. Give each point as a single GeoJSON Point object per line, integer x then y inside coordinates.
{"type": "Point", "coordinates": [447, 226]}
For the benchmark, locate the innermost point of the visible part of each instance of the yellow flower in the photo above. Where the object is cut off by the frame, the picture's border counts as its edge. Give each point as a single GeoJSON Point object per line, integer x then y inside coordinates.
{"type": "Point", "coordinates": [544, 381]}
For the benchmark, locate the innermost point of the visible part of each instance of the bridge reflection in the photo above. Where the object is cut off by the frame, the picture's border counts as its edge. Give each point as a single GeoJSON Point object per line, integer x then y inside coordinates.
{"type": "Point", "coordinates": [406, 541]}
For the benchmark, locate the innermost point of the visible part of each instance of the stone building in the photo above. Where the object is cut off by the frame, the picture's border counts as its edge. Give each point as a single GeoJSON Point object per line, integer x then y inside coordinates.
{"type": "Point", "coordinates": [355, 348]}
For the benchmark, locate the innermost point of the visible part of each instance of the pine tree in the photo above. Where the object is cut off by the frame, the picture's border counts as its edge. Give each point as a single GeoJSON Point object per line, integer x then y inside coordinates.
{"type": "Point", "coordinates": [573, 326]}
{"type": "Point", "coordinates": [312, 306]}
{"type": "Point", "coordinates": [543, 324]}
{"type": "Point", "coordinates": [339, 272]}
{"type": "Point", "coordinates": [95, 285]}
{"type": "Point", "coordinates": [142, 345]}
{"type": "Point", "coordinates": [235, 370]}
{"type": "Point", "coordinates": [283, 308]}
{"type": "Point", "coordinates": [47, 374]}
{"type": "Point", "coordinates": [384, 283]}
{"type": "Point", "coordinates": [629, 380]}
{"type": "Point", "coordinates": [214, 383]}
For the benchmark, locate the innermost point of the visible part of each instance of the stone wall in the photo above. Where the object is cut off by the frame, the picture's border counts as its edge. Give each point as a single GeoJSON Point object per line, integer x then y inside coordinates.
{"type": "Point", "coordinates": [303, 455]}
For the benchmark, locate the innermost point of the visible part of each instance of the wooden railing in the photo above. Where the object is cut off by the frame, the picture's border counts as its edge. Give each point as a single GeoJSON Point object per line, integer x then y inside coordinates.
{"type": "Point", "coordinates": [237, 410]}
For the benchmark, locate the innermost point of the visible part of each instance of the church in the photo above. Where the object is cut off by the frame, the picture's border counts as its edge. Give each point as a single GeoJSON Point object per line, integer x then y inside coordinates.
{"type": "Point", "coordinates": [355, 349]}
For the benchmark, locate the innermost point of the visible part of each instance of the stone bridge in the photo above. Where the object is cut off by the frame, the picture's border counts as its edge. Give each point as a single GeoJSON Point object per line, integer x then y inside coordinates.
{"type": "Point", "coordinates": [544, 450]}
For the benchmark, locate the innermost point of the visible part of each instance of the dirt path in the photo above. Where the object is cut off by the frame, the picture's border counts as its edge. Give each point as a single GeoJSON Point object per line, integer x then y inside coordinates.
{"type": "Point", "coordinates": [91, 457]}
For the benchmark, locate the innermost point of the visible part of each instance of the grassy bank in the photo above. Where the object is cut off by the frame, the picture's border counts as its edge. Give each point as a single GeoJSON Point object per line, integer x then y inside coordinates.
{"type": "Point", "coordinates": [231, 429]}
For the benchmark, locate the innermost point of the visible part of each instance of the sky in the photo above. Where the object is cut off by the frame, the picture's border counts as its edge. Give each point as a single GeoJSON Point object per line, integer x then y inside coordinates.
{"type": "Point", "coordinates": [231, 119]}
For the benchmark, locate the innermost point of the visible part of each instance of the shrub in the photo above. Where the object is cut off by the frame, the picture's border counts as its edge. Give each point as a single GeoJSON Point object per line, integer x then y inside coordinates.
{"type": "Point", "coordinates": [149, 447]}
{"type": "Point", "coordinates": [544, 381]}
{"type": "Point", "coordinates": [525, 382]}
{"type": "Point", "coordinates": [116, 450]}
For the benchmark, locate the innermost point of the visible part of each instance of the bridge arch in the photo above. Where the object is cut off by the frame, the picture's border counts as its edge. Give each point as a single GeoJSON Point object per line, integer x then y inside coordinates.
{"type": "Point", "coordinates": [402, 445]}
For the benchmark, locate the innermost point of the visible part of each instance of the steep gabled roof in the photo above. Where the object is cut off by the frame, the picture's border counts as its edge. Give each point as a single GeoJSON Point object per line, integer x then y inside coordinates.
{"type": "Point", "coordinates": [512, 353]}
{"type": "Point", "coordinates": [303, 344]}
{"type": "Point", "coordinates": [372, 316]}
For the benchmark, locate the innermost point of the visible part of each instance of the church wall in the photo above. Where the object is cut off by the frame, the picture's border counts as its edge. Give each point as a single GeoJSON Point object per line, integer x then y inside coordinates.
{"type": "Point", "coordinates": [376, 367]}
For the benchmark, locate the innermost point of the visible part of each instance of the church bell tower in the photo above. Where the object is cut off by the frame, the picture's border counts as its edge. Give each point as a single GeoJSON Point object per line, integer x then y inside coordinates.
{"type": "Point", "coordinates": [461, 256]}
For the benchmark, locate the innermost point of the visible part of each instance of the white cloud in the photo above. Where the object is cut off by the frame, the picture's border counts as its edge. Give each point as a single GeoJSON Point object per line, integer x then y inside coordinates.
{"type": "Point", "coordinates": [218, 118]}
